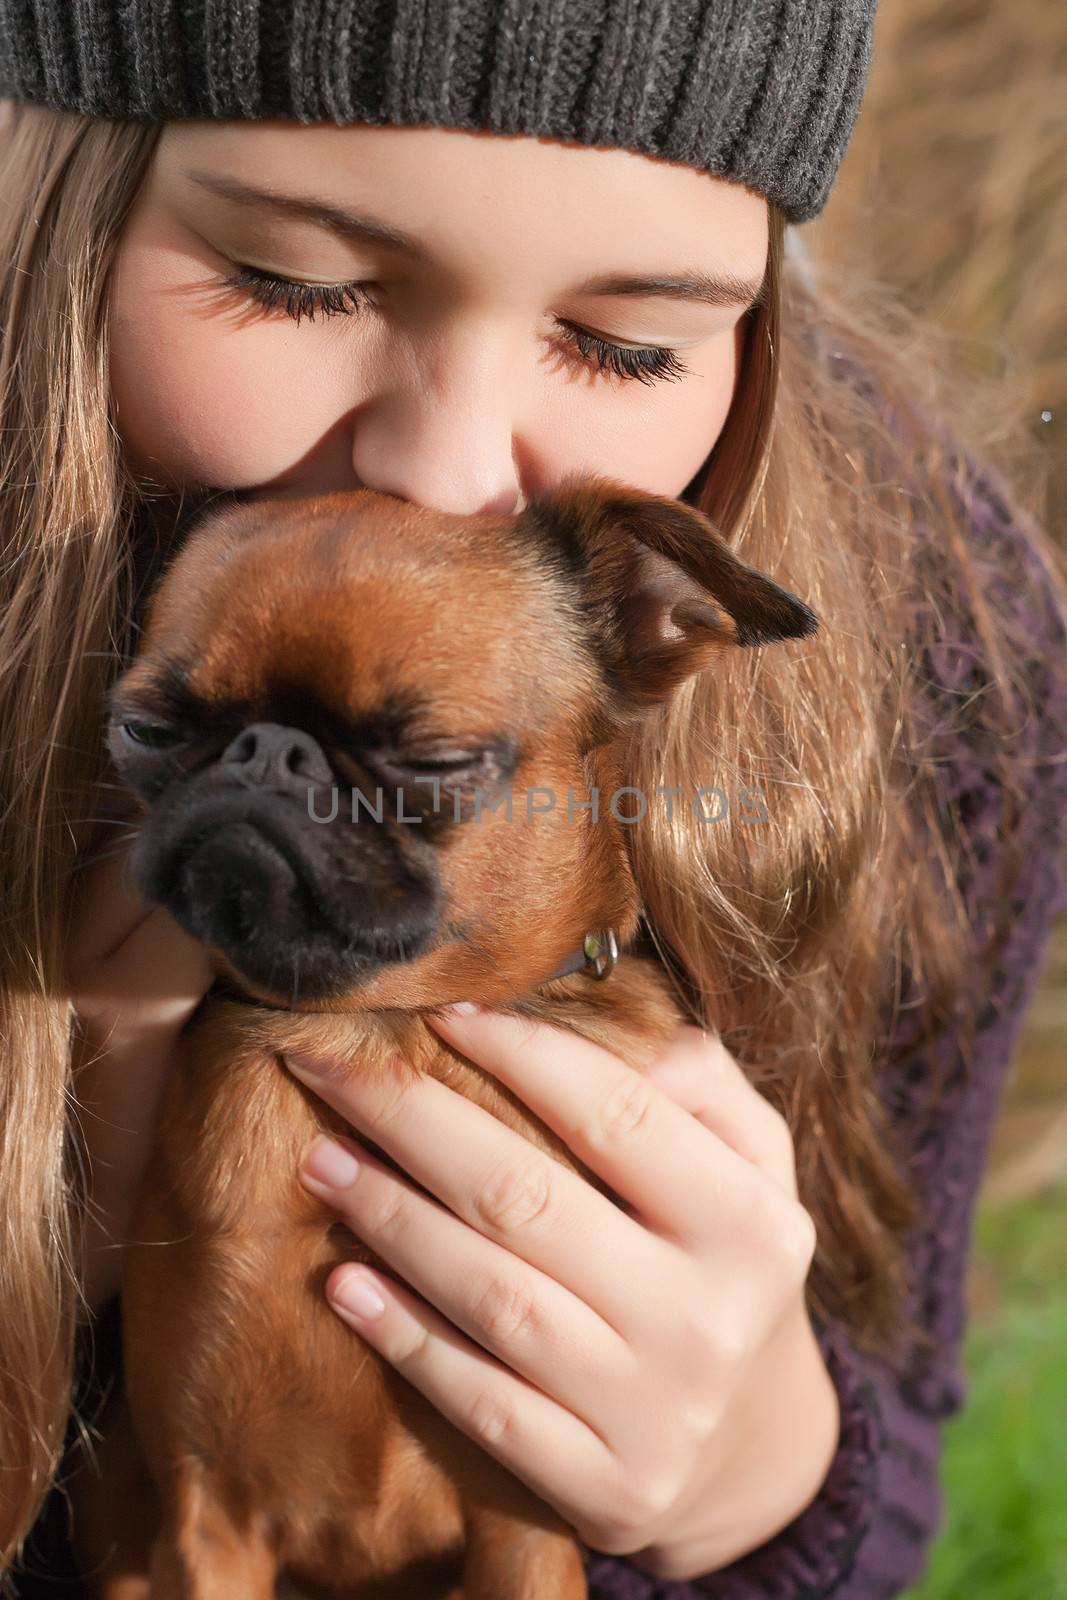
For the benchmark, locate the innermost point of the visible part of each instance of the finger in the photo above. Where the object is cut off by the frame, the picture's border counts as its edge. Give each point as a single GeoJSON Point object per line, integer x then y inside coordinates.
{"type": "Point", "coordinates": [501, 1184]}
{"type": "Point", "coordinates": [700, 1074]}
{"type": "Point", "coordinates": [529, 1321]}
{"type": "Point", "coordinates": [553, 1452]}
{"type": "Point", "coordinates": [614, 1119]}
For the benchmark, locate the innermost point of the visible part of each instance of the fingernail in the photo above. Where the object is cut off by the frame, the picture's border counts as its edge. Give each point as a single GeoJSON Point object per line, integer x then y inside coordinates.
{"type": "Point", "coordinates": [463, 1008]}
{"type": "Point", "coordinates": [358, 1296]}
{"type": "Point", "coordinates": [329, 1163]}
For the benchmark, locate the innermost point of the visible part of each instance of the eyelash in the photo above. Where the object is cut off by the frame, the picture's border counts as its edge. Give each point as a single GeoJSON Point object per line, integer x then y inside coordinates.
{"type": "Point", "coordinates": [297, 300]}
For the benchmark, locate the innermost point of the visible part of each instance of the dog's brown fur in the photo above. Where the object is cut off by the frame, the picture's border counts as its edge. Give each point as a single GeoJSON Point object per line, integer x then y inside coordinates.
{"type": "Point", "coordinates": [276, 1440]}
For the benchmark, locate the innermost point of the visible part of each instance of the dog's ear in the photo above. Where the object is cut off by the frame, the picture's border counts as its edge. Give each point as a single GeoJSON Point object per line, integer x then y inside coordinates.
{"type": "Point", "coordinates": [665, 589]}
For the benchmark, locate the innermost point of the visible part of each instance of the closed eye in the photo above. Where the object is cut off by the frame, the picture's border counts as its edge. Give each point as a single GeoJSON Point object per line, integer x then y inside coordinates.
{"type": "Point", "coordinates": [149, 735]}
{"type": "Point", "coordinates": [646, 363]}
{"type": "Point", "coordinates": [487, 763]}
{"type": "Point", "coordinates": [441, 763]}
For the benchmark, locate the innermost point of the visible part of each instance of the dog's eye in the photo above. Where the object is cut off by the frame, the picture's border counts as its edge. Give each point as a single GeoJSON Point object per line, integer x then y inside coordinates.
{"type": "Point", "coordinates": [442, 761]}
{"type": "Point", "coordinates": [150, 735]}
{"type": "Point", "coordinates": [455, 765]}
{"type": "Point", "coordinates": [447, 762]}
{"type": "Point", "coordinates": [488, 762]}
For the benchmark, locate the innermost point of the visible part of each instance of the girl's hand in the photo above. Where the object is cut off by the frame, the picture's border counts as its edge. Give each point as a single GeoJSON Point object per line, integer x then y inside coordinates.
{"type": "Point", "coordinates": [135, 978]}
{"type": "Point", "coordinates": [648, 1369]}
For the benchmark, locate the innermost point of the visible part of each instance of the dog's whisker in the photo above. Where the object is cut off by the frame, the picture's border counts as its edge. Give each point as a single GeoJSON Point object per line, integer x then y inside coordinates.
{"type": "Point", "coordinates": [465, 937]}
{"type": "Point", "coordinates": [111, 853]}
{"type": "Point", "coordinates": [159, 1244]}
{"type": "Point", "coordinates": [104, 822]}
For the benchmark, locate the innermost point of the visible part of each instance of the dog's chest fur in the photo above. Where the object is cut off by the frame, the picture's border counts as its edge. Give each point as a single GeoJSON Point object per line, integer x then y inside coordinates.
{"type": "Point", "coordinates": [250, 1374]}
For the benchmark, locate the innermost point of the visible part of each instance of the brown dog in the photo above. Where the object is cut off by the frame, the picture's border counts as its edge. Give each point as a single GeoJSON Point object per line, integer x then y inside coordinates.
{"type": "Point", "coordinates": [304, 661]}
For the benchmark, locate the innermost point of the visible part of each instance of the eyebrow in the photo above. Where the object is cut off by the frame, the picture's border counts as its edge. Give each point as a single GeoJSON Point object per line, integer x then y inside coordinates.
{"type": "Point", "coordinates": [719, 289]}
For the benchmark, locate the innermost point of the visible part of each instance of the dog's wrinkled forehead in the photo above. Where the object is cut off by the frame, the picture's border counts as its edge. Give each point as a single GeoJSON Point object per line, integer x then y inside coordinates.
{"type": "Point", "coordinates": [356, 597]}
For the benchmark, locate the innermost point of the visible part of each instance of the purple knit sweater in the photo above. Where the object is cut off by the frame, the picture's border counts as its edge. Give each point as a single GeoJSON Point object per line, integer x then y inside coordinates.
{"type": "Point", "coordinates": [865, 1536]}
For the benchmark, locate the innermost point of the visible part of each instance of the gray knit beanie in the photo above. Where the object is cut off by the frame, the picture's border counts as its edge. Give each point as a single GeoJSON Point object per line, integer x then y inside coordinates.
{"type": "Point", "coordinates": [762, 92]}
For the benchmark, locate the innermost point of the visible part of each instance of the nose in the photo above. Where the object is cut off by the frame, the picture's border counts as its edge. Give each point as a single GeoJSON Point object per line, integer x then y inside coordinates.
{"type": "Point", "coordinates": [455, 446]}
{"type": "Point", "coordinates": [439, 496]}
{"type": "Point", "coordinates": [501, 505]}
{"type": "Point", "coordinates": [267, 753]}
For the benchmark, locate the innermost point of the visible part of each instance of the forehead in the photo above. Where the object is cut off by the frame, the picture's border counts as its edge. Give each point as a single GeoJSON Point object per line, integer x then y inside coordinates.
{"type": "Point", "coordinates": [542, 205]}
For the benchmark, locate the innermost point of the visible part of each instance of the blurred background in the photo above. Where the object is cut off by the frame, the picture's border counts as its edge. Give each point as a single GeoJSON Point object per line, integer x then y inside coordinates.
{"type": "Point", "coordinates": [955, 190]}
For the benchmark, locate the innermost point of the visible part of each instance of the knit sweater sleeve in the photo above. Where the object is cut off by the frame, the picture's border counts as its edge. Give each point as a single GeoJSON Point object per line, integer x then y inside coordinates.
{"type": "Point", "coordinates": [866, 1534]}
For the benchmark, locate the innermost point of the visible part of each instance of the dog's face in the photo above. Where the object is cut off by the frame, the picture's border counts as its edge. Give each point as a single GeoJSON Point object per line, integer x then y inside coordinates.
{"type": "Point", "coordinates": [365, 735]}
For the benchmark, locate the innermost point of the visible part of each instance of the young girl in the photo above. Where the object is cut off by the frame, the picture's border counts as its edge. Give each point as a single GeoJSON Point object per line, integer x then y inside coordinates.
{"type": "Point", "coordinates": [453, 252]}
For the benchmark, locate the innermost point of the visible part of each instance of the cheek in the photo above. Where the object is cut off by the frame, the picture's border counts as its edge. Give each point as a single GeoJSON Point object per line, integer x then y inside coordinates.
{"type": "Point", "coordinates": [658, 438]}
{"type": "Point", "coordinates": [193, 406]}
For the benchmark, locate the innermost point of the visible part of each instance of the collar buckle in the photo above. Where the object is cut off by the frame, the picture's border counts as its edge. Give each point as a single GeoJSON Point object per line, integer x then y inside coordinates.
{"type": "Point", "coordinates": [601, 952]}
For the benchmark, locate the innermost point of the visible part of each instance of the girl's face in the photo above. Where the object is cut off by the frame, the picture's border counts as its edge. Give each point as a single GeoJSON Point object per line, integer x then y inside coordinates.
{"type": "Point", "coordinates": [484, 311]}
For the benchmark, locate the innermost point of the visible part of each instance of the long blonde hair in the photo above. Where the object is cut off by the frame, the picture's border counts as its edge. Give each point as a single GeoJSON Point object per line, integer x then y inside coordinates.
{"type": "Point", "coordinates": [829, 474]}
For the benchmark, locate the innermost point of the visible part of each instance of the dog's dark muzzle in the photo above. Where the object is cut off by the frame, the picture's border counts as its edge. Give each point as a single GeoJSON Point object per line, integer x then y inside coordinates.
{"type": "Point", "coordinates": [240, 857]}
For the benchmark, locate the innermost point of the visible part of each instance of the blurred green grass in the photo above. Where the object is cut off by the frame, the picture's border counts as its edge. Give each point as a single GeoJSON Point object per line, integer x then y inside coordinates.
{"type": "Point", "coordinates": [1005, 1465]}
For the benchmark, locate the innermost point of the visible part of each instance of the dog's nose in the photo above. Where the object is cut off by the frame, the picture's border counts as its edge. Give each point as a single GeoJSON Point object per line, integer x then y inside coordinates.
{"type": "Point", "coordinates": [266, 752]}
